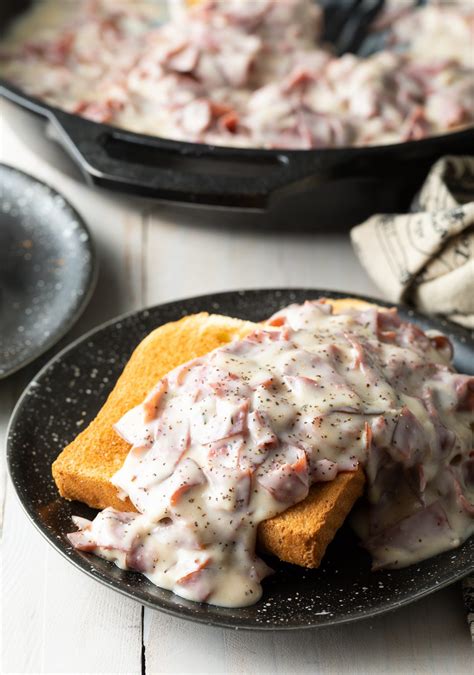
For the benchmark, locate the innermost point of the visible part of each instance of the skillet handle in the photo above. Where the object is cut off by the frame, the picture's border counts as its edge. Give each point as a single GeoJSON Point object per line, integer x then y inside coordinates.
{"type": "Point", "coordinates": [174, 171]}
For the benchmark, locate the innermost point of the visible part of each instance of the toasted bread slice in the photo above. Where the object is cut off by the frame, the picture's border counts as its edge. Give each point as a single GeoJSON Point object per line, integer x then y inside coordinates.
{"type": "Point", "coordinates": [83, 469]}
{"type": "Point", "coordinates": [301, 534]}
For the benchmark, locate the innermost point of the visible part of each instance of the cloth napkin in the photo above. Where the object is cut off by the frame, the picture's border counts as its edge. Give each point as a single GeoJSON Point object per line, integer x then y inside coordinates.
{"type": "Point", "coordinates": [425, 258]}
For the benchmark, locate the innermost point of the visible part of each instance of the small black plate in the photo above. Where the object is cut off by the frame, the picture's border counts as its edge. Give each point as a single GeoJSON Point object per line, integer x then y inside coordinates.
{"type": "Point", "coordinates": [69, 391]}
{"type": "Point", "coordinates": [47, 268]}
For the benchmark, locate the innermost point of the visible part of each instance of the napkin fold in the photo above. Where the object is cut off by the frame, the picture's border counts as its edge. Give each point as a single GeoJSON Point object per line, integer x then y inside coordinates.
{"type": "Point", "coordinates": [425, 258]}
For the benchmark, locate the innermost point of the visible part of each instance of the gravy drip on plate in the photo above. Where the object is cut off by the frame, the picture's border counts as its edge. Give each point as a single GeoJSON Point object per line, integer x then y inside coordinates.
{"type": "Point", "coordinates": [235, 437]}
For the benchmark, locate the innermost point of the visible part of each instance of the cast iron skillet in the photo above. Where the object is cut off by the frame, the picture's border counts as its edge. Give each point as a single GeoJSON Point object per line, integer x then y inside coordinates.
{"type": "Point", "coordinates": [68, 392]}
{"type": "Point", "coordinates": [346, 184]}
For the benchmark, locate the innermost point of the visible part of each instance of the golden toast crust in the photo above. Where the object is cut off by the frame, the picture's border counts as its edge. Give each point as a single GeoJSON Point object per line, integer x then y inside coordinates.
{"type": "Point", "coordinates": [301, 534]}
{"type": "Point", "coordinates": [83, 469]}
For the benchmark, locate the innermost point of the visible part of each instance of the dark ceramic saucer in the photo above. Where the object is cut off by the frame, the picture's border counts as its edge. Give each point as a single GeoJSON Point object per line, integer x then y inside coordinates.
{"type": "Point", "coordinates": [47, 269]}
{"type": "Point", "coordinates": [69, 391]}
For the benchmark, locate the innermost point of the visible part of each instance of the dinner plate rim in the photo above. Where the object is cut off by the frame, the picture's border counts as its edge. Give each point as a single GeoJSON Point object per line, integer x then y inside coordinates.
{"type": "Point", "coordinates": [464, 335]}
{"type": "Point", "coordinates": [88, 287]}
{"type": "Point", "coordinates": [197, 618]}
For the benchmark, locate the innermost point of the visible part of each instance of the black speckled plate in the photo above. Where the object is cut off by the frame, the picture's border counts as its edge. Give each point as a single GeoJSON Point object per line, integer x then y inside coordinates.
{"type": "Point", "coordinates": [69, 391]}
{"type": "Point", "coordinates": [47, 269]}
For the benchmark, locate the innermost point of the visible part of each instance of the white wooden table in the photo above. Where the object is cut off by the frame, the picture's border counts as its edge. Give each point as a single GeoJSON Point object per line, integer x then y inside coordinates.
{"type": "Point", "coordinates": [57, 620]}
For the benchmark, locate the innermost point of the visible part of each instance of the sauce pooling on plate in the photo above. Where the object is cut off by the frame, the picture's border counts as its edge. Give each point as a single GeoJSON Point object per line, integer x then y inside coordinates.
{"type": "Point", "coordinates": [233, 438]}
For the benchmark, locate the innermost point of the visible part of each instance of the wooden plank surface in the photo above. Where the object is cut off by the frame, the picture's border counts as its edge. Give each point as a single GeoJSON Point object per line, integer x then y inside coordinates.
{"type": "Point", "coordinates": [55, 619]}
{"type": "Point", "coordinates": [427, 638]}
